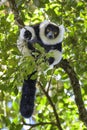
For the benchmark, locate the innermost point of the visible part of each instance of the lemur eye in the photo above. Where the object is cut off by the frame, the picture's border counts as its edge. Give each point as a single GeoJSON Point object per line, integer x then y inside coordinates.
{"type": "Point", "coordinates": [55, 33]}
{"type": "Point", "coordinates": [48, 30]}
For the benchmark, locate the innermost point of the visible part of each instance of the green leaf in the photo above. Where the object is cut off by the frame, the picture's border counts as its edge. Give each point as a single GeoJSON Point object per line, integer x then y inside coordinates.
{"type": "Point", "coordinates": [15, 105]}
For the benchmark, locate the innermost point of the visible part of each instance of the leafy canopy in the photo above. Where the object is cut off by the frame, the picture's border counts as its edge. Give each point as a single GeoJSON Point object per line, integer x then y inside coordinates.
{"type": "Point", "coordinates": [14, 67]}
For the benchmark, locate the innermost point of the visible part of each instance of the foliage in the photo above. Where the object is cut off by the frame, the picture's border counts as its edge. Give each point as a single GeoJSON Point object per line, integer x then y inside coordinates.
{"type": "Point", "coordinates": [14, 67]}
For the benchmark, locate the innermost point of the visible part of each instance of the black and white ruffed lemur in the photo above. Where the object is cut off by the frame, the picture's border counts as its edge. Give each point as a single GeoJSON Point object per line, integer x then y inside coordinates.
{"type": "Point", "coordinates": [49, 36]}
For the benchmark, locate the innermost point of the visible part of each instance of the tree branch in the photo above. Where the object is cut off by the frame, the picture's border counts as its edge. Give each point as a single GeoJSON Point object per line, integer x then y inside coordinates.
{"type": "Point", "coordinates": [40, 123]}
{"type": "Point", "coordinates": [76, 89]}
{"type": "Point", "coordinates": [16, 13]}
{"type": "Point", "coordinates": [49, 83]}
{"type": "Point", "coordinates": [53, 106]}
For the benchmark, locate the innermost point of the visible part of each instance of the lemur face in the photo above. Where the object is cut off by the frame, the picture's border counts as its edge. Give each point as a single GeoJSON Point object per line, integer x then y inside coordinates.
{"type": "Point", "coordinates": [50, 33]}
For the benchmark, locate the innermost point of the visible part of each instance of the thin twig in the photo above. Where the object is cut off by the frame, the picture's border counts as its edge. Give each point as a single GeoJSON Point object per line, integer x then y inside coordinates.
{"type": "Point", "coordinates": [49, 83]}
{"type": "Point", "coordinates": [53, 106]}
{"type": "Point", "coordinates": [40, 123]}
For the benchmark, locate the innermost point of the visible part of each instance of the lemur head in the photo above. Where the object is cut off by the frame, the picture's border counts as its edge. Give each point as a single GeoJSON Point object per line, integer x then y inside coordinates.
{"type": "Point", "coordinates": [50, 33]}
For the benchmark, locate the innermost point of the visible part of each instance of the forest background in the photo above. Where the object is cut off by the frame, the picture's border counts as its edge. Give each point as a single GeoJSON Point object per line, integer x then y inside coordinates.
{"type": "Point", "coordinates": [66, 107]}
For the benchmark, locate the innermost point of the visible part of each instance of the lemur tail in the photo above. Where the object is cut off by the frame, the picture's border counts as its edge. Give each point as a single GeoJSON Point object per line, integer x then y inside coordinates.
{"type": "Point", "coordinates": [28, 96]}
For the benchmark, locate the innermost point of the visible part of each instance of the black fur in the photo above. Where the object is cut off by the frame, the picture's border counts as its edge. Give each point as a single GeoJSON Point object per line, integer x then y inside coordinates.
{"type": "Point", "coordinates": [27, 35]}
{"type": "Point", "coordinates": [51, 60]}
{"type": "Point", "coordinates": [28, 97]}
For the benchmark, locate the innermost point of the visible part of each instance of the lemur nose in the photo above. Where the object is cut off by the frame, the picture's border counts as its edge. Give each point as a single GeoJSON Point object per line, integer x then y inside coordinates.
{"type": "Point", "coordinates": [50, 35]}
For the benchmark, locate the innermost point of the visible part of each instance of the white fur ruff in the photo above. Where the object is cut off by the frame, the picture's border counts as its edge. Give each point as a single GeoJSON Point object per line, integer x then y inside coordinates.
{"type": "Point", "coordinates": [23, 48]}
{"type": "Point", "coordinates": [22, 44]}
{"type": "Point", "coordinates": [57, 56]}
{"type": "Point", "coordinates": [48, 41]}
{"type": "Point", "coordinates": [22, 31]}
